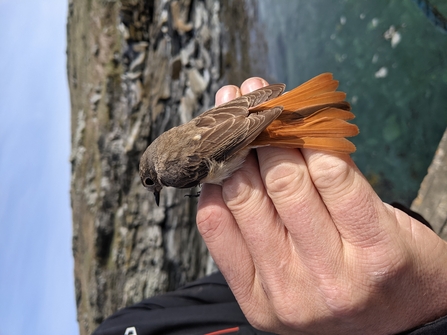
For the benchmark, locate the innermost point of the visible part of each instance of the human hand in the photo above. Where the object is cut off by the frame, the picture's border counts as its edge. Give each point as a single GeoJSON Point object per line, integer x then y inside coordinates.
{"type": "Point", "coordinates": [307, 246]}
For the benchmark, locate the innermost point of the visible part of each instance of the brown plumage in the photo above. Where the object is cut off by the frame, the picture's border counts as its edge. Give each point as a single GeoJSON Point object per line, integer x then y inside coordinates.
{"type": "Point", "coordinates": [209, 148]}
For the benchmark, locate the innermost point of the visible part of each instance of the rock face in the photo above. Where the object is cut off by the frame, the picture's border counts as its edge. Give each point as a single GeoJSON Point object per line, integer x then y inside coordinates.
{"type": "Point", "coordinates": [431, 201]}
{"type": "Point", "coordinates": [137, 68]}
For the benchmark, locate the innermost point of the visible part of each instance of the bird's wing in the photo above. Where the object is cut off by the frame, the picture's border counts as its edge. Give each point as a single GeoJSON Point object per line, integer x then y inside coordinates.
{"type": "Point", "coordinates": [229, 128]}
{"type": "Point", "coordinates": [249, 100]}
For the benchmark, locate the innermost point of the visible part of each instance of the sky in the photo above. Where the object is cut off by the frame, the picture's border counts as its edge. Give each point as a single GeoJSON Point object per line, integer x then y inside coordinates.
{"type": "Point", "coordinates": [36, 263]}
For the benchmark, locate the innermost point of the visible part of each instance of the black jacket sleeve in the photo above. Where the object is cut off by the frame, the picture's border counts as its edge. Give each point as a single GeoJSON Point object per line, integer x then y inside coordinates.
{"type": "Point", "coordinates": [205, 306]}
{"type": "Point", "coordinates": [438, 327]}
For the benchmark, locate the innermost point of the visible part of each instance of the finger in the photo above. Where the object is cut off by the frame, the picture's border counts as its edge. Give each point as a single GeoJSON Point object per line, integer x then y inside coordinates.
{"type": "Point", "coordinates": [265, 239]}
{"type": "Point", "coordinates": [227, 93]}
{"type": "Point", "coordinates": [246, 285]}
{"type": "Point", "coordinates": [245, 196]}
{"type": "Point", "coordinates": [248, 201]}
{"type": "Point", "coordinates": [219, 231]}
{"type": "Point", "coordinates": [356, 210]}
{"type": "Point", "coordinates": [264, 234]}
{"type": "Point", "coordinates": [252, 84]}
{"type": "Point", "coordinates": [213, 217]}
{"type": "Point", "coordinates": [296, 200]}
{"type": "Point", "coordinates": [229, 250]}
{"type": "Point", "coordinates": [300, 207]}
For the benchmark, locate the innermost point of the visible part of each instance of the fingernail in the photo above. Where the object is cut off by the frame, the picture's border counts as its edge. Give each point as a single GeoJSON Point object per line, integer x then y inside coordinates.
{"type": "Point", "coordinates": [226, 94]}
{"type": "Point", "coordinates": [252, 84]}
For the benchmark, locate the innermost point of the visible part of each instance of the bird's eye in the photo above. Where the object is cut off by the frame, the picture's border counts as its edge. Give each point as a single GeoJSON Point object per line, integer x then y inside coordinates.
{"type": "Point", "coordinates": [148, 182]}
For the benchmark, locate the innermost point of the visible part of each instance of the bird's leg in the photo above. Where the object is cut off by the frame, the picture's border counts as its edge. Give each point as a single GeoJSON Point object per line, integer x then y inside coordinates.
{"type": "Point", "coordinates": [193, 195]}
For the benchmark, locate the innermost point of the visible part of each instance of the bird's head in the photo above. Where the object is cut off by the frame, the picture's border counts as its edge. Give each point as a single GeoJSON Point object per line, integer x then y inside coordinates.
{"type": "Point", "coordinates": [148, 173]}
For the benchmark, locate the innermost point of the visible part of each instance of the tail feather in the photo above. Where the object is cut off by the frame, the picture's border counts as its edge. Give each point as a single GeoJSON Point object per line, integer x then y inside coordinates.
{"type": "Point", "coordinates": [314, 116]}
{"type": "Point", "coordinates": [322, 127]}
{"type": "Point", "coordinates": [292, 105]}
{"type": "Point", "coordinates": [316, 91]}
{"type": "Point", "coordinates": [340, 145]}
{"type": "Point", "coordinates": [309, 110]}
{"type": "Point", "coordinates": [332, 112]}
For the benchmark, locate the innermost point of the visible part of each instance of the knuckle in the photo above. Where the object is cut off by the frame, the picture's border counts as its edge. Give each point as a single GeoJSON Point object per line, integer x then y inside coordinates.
{"type": "Point", "coordinates": [332, 176]}
{"type": "Point", "coordinates": [389, 270]}
{"type": "Point", "coordinates": [239, 193]}
{"type": "Point", "coordinates": [210, 223]}
{"type": "Point", "coordinates": [340, 302]}
{"type": "Point", "coordinates": [284, 179]}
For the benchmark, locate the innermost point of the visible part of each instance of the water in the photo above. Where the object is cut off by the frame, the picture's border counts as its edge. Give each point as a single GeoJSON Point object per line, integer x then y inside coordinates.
{"type": "Point", "coordinates": [392, 62]}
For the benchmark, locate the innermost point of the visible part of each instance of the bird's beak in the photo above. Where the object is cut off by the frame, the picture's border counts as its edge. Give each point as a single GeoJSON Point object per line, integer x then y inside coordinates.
{"type": "Point", "coordinates": [157, 197]}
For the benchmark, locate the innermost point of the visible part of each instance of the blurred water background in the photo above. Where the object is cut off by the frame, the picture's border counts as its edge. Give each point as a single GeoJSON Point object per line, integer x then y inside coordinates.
{"type": "Point", "coordinates": [391, 60]}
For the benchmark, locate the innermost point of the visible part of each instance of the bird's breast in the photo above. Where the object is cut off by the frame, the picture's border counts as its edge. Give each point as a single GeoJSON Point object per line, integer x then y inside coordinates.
{"type": "Point", "coordinates": [219, 171]}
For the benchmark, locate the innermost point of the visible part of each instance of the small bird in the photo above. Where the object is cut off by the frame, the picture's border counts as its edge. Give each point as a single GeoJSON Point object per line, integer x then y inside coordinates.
{"type": "Point", "coordinates": [210, 147]}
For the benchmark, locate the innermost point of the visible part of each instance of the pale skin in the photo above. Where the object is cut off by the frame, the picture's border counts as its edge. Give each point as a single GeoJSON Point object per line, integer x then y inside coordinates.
{"type": "Point", "coordinates": [307, 246]}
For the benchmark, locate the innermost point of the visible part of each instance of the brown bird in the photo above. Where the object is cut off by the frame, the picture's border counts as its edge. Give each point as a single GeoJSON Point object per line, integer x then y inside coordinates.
{"type": "Point", "coordinates": [210, 147]}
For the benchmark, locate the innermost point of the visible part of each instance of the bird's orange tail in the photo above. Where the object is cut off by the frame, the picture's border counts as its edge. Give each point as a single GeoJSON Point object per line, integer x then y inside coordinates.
{"type": "Point", "coordinates": [314, 116]}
